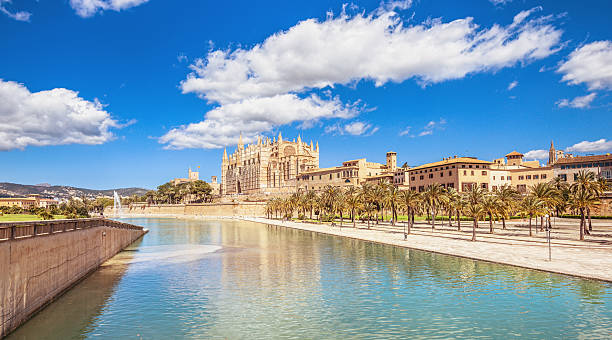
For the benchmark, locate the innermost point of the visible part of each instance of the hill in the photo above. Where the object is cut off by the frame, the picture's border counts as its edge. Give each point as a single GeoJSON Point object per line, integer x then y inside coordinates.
{"type": "Point", "coordinates": [62, 191]}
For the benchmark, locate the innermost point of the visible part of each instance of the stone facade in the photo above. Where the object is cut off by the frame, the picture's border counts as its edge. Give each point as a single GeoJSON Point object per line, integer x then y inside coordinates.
{"type": "Point", "coordinates": [267, 167]}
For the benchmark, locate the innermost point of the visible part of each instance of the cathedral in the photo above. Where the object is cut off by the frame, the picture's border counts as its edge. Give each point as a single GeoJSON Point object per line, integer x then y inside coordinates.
{"type": "Point", "coordinates": [270, 166]}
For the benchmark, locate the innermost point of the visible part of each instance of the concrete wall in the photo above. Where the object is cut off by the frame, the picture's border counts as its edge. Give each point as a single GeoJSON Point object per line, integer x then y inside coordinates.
{"type": "Point", "coordinates": [35, 270]}
{"type": "Point", "coordinates": [255, 209]}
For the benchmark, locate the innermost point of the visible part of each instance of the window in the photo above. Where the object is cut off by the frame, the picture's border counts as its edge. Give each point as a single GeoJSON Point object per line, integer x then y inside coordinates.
{"type": "Point", "coordinates": [453, 166]}
{"type": "Point", "coordinates": [464, 172]}
{"type": "Point", "coordinates": [430, 175]}
{"type": "Point", "coordinates": [470, 166]}
{"type": "Point", "coordinates": [463, 165]}
{"type": "Point", "coordinates": [450, 173]}
{"type": "Point", "coordinates": [521, 178]}
{"type": "Point", "coordinates": [477, 166]}
{"type": "Point", "coordinates": [562, 167]}
{"type": "Point", "coordinates": [484, 173]}
{"type": "Point", "coordinates": [528, 176]}
{"type": "Point", "coordinates": [472, 173]}
{"type": "Point", "coordinates": [484, 185]}
{"type": "Point", "coordinates": [536, 176]}
{"type": "Point", "coordinates": [563, 177]}
{"type": "Point", "coordinates": [502, 178]}
{"type": "Point", "coordinates": [441, 174]}
{"type": "Point", "coordinates": [338, 175]}
{"type": "Point", "coordinates": [543, 176]}
{"type": "Point", "coordinates": [421, 188]}
{"type": "Point", "coordinates": [412, 178]}
{"type": "Point", "coordinates": [493, 177]}
{"type": "Point", "coordinates": [509, 178]}
{"type": "Point", "coordinates": [421, 177]}
{"type": "Point", "coordinates": [450, 185]}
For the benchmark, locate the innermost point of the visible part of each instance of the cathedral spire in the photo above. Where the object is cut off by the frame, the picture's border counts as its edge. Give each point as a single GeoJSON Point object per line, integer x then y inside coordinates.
{"type": "Point", "coordinates": [240, 140]}
{"type": "Point", "coordinates": [552, 146]}
{"type": "Point", "coordinates": [224, 154]}
{"type": "Point", "coordinates": [317, 146]}
{"type": "Point", "coordinates": [299, 139]}
{"type": "Point", "coordinates": [280, 137]}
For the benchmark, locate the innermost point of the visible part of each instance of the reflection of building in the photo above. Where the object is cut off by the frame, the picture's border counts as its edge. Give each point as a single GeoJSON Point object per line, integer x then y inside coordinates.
{"type": "Point", "coordinates": [460, 173]}
{"type": "Point", "coordinates": [32, 200]}
{"type": "Point", "coordinates": [352, 173]}
{"type": "Point", "coordinates": [192, 176]}
{"type": "Point", "coordinates": [268, 167]}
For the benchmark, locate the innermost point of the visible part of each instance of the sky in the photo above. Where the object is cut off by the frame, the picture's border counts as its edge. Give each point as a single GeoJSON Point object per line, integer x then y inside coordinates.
{"type": "Point", "coordinates": [130, 93]}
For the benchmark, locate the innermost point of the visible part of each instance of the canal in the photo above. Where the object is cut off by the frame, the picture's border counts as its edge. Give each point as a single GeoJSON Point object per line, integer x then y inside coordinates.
{"type": "Point", "coordinates": [232, 279]}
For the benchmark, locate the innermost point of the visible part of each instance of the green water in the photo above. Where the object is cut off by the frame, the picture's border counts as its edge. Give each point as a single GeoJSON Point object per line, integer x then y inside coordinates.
{"type": "Point", "coordinates": [242, 280]}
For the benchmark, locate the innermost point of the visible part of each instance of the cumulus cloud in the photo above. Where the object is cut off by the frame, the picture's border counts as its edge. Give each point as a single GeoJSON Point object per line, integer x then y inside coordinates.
{"type": "Point", "coordinates": [536, 154]}
{"type": "Point", "coordinates": [578, 102]}
{"type": "Point", "coordinates": [590, 64]}
{"type": "Point", "coordinates": [88, 8]}
{"type": "Point", "coordinates": [378, 47]}
{"type": "Point", "coordinates": [601, 145]}
{"type": "Point", "coordinates": [18, 15]}
{"type": "Point", "coordinates": [356, 128]}
{"type": "Point", "coordinates": [512, 85]}
{"type": "Point", "coordinates": [52, 117]}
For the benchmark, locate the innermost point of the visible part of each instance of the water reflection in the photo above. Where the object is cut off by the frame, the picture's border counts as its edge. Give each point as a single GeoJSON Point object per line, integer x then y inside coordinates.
{"type": "Point", "coordinates": [228, 279]}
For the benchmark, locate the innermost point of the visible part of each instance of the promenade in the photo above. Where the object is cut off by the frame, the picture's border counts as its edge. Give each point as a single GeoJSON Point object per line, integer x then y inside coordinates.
{"type": "Point", "coordinates": [591, 258]}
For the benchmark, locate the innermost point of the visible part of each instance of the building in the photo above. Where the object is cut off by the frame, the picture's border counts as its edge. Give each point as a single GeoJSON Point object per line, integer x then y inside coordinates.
{"type": "Point", "coordinates": [554, 155]}
{"type": "Point", "coordinates": [216, 186]}
{"type": "Point", "coordinates": [518, 173]}
{"type": "Point", "coordinates": [31, 201]}
{"type": "Point", "coordinates": [567, 168]}
{"type": "Point", "coordinates": [461, 173]}
{"type": "Point", "coordinates": [352, 173]}
{"type": "Point", "coordinates": [267, 167]}
{"type": "Point", "coordinates": [192, 176]}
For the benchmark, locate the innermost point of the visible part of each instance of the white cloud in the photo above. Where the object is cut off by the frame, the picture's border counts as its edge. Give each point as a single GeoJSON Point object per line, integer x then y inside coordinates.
{"type": "Point", "coordinates": [499, 2]}
{"type": "Point", "coordinates": [52, 117]}
{"type": "Point", "coordinates": [590, 64]}
{"type": "Point", "coordinates": [345, 49]}
{"type": "Point", "coordinates": [88, 8]}
{"type": "Point", "coordinates": [536, 154]}
{"type": "Point", "coordinates": [578, 102]}
{"type": "Point", "coordinates": [356, 128]}
{"type": "Point", "coordinates": [512, 85]}
{"type": "Point", "coordinates": [406, 131]}
{"type": "Point", "coordinates": [19, 15]}
{"type": "Point", "coordinates": [595, 146]}
{"type": "Point", "coordinates": [431, 126]}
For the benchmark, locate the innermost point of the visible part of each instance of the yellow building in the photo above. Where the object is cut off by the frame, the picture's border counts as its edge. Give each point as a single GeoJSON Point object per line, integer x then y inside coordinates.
{"type": "Point", "coordinates": [460, 173]}
{"type": "Point", "coordinates": [191, 177]}
{"type": "Point", "coordinates": [567, 168]}
{"type": "Point", "coordinates": [32, 200]}
{"type": "Point", "coordinates": [518, 173]}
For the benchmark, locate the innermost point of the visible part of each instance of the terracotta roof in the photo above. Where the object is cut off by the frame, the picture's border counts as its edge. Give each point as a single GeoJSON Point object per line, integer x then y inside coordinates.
{"type": "Point", "coordinates": [451, 161]}
{"type": "Point", "coordinates": [314, 171]}
{"type": "Point", "coordinates": [514, 153]}
{"type": "Point", "coordinates": [582, 159]}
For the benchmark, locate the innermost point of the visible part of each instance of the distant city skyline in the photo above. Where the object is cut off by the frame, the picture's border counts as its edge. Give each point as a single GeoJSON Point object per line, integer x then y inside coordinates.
{"type": "Point", "coordinates": [112, 94]}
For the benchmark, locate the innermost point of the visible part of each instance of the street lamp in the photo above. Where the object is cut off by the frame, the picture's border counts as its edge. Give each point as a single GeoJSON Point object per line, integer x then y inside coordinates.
{"type": "Point", "coordinates": [548, 227]}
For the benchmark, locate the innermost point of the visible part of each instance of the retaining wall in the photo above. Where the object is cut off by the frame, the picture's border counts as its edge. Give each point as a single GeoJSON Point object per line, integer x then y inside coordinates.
{"type": "Point", "coordinates": [35, 270]}
{"type": "Point", "coordinates": [254, 209]}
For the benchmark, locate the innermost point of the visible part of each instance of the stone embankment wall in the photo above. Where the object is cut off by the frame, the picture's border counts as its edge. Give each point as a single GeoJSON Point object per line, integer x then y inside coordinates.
{"type": "Point", "coordinates": [35, 270]}
{"type": "Point", "coordinates": [254, 209]}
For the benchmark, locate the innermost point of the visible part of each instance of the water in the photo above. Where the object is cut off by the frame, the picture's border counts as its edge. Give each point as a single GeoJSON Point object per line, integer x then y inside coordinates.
{"type": "Point", "coordinates": [209, 279]}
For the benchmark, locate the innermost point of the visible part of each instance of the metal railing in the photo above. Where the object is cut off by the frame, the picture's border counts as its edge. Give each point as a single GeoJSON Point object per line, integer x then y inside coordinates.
{"type": "Point", "coordinates": [19, 230]}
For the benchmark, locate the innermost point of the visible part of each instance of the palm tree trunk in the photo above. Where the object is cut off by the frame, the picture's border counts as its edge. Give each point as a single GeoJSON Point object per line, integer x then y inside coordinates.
{"type": "Point", "coordinates": [530, 233]}
{"type": "Point", "coordinates": [341, 219]}
{"type": "Point", "coordinates": [504, 223]}
{"type": "Point", "coordinates": [458, 221]}
{"type": "Point", "coordinates": [474, 230]}
{"type": "Point", "coordinates": [490, 223]}
{"type": "Point", "coordinates": [541, 223]}
{"type": "Point", "coordinates": [368, 221]}
{"type": "Point", "coordinates": [433, 219]}
{"type": "Point", "coordinates": [582, 226]}
{"type": "Point", "coordinates": [590, 225]}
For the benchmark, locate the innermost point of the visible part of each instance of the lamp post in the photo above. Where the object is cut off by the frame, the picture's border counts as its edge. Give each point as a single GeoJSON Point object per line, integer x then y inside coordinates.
{"type": "Point", "coordinates": [548, 234]}
{"type": "Point", "coordinates": [406, 235]}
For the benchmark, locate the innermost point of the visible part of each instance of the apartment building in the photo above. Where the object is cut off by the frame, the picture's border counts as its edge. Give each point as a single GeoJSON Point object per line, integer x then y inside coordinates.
{"type": "Point", "coordinates": [567, 168]}
{"type": "Point", "coordinates": [461, 173]}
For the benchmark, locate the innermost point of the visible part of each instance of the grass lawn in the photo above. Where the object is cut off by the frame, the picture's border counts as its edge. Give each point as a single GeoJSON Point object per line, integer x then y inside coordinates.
{"type": "Point", "coordinates": [24, 217]}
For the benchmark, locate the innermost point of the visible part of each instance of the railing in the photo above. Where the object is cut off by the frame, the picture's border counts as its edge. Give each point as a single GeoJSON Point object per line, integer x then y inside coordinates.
{"type": "Point", "coordinates": [18, 230]}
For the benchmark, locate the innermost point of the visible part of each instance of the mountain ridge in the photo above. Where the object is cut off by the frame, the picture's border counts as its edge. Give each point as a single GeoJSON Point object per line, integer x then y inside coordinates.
{"type": "Point", "coordinates": [62, 191]}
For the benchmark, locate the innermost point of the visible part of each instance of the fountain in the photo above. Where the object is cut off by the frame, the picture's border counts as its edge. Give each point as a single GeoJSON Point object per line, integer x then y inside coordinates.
{"type": "Point", "coordinates": [116, 204]}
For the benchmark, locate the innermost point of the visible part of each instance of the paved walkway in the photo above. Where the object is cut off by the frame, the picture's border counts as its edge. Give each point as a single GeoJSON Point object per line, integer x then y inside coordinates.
{"type": "Point", "coordinates": [589, 259]}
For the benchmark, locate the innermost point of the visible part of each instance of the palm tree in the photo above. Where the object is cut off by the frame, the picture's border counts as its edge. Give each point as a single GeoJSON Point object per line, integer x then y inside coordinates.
{"type": "Point", "coordinates": [583, 199]}
{"type": "Point", "coordinates": [531, 206]}
{"type": "Point", "coordinates": [585, 180]}
{"type": "Point", "coordinates": [377, 196]}
{"type": "Point", "coordinates": [545, 193]}
{"type": "Point", "coordinates": [341, 204]}
{"type": "Point", "coordinates": [434, 197]}
{"type": "Point", "coordinates": [459, 205]}
{"type": "Point", "coordinates": [410, 200]}
{"type": "Point", "coordinates": [506, 197]}
{"type": "Point", "coordinates": [310, 199]}
{"type": "Point", "coordinates": [392, 200]}
{"type": "Point", "coordinates": [353, 202]}
{"type": "Point", "coordinates": [473, 208]}
{"type": "Point", "coordinates": [490, 205]}
{"type": "Point", "coordinates": [452, 198]}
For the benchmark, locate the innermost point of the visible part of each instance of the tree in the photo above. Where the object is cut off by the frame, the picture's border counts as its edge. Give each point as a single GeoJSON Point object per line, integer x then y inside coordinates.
{"type": "Point", "coordinates": [490, 206]}
{"type": "Point", "coordinates": [353, 202]}
{"type": "Point", "coordinates": [585, 180]}
{"type": "Point", "coordinates": [506, 197]}
{"type": "Point", "coordinates": [582, 199]}
{"type": "Point", "coordinates": [392, 200]}
{"type": "Point", "coordinates": [547, 195]}
{"type": "Point", "coordinates": [473, 208]}
{"type": "Point", "coordinates": [434, 197]}
{"type": "Point", "coordinates": [410, 201]}
{"type": "Point", "coordinates": [532, 207]}
{"type": "Point", "coordinates": [451, 203]}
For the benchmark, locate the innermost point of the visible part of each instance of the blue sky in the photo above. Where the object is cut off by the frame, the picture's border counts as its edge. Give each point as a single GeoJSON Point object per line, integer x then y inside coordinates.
{"type": "Point", "coordinates": [110, 93]}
